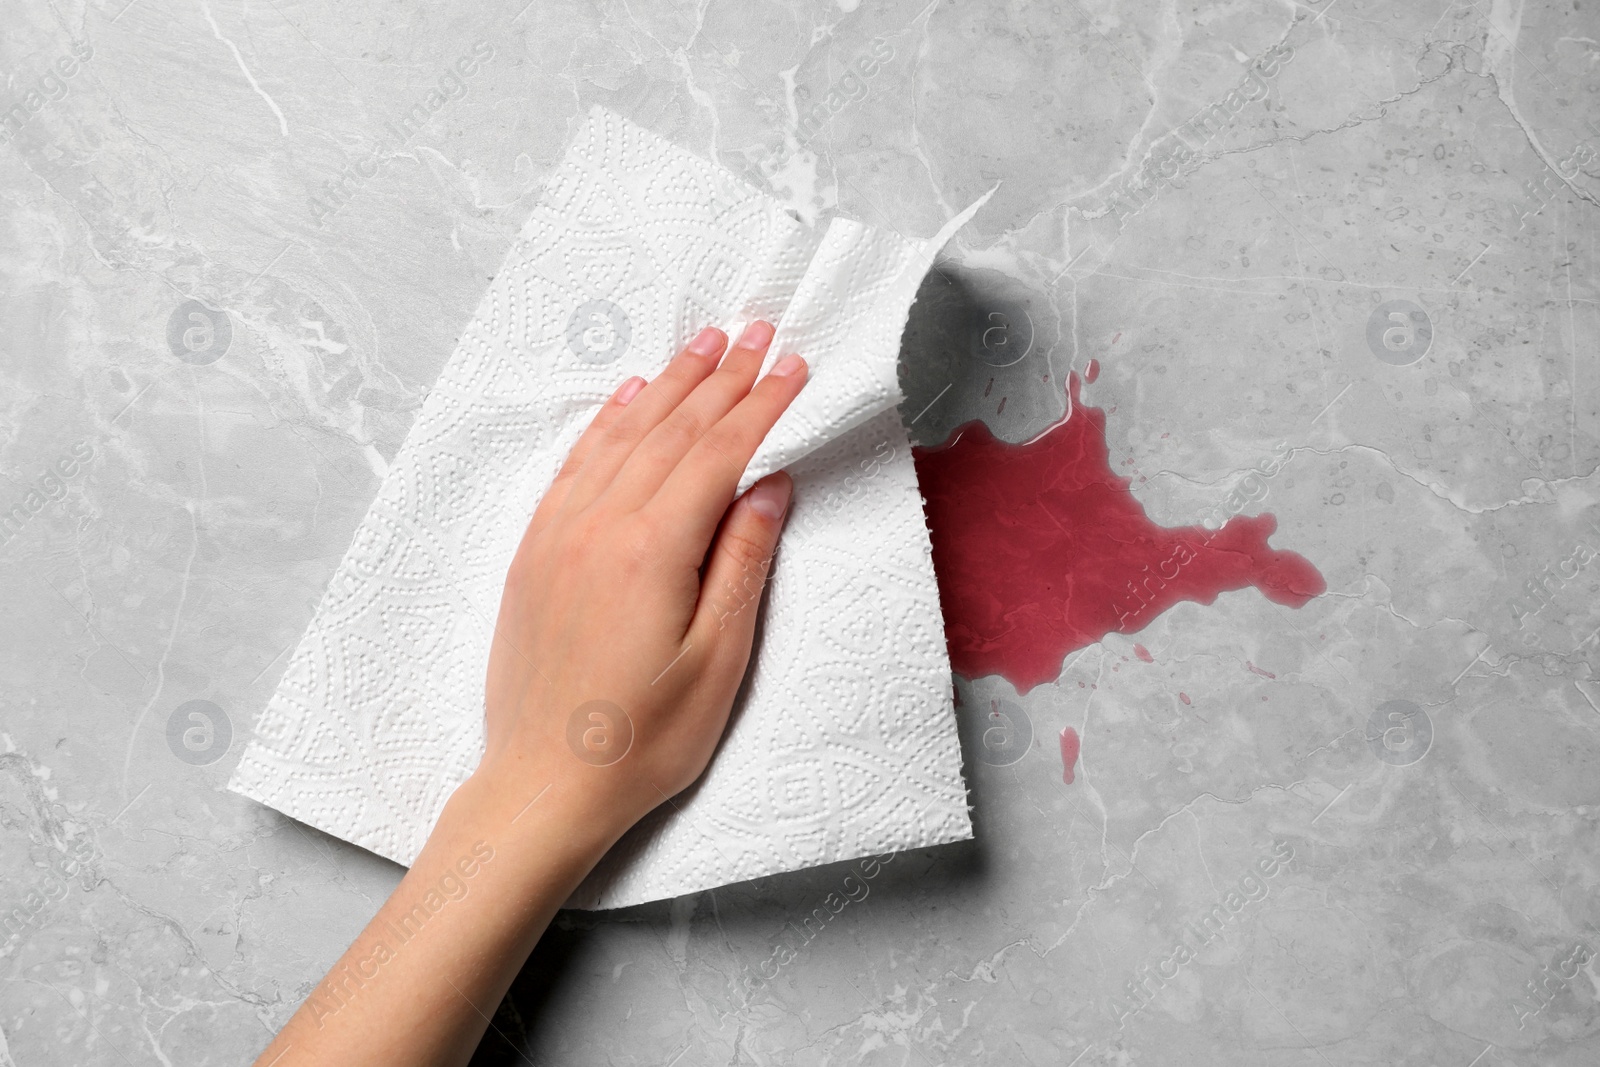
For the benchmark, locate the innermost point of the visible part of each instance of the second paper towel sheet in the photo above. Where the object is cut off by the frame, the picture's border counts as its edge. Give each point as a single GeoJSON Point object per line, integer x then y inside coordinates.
{"type": "Point", "coordinates": [843, 742]}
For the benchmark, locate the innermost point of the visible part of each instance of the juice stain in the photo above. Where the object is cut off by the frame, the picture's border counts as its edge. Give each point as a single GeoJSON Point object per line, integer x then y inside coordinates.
{"type": "Point", "coordinates": [1040, 549]}
{"type": "Point", "coordinates": [1069, 753]}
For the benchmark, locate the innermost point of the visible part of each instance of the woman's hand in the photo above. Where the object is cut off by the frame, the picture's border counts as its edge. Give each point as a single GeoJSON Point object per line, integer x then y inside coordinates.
{"type": "Point", "coordinates": [624, 632]}
{"type": "Point", "coordinates": [629, 610]}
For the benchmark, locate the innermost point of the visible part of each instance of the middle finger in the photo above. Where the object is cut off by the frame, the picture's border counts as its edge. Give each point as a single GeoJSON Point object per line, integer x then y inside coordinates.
{"type": "Point", "coordinates": [607, 453]}
{"type": "Point", "coordinates": [685, 426]}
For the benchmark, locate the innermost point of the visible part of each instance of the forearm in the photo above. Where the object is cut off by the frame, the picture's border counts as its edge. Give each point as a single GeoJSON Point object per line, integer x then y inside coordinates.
{"type": "Point", "coordinates": [419, 984]}
{"type": "Point", "coordinates": [609, 685]}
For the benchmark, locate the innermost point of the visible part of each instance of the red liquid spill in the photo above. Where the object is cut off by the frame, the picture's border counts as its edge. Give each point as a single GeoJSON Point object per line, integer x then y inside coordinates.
{"type": "Point", "coordinates": [1143, 653]}
{"type": "Point", "coordinates": [1069, 753]}
{"type": "Point", "coordinates": [1257, 670]}
{"type": "Point", "coordinates": [1041, 550]}
{"type": "Point", "coordinates": [1184, 697]}
{"type": "Point", "coordinates": [1092, 371]}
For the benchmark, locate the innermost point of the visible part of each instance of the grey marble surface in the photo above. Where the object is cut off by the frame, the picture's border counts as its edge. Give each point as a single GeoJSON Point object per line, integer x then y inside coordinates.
{"type": "Point", "coordinates": [1407, 882]}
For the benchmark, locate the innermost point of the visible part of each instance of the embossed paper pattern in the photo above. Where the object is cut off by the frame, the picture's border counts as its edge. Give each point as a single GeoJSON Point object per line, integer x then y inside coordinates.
{"type": "Point", "coordinates": [844, 741]}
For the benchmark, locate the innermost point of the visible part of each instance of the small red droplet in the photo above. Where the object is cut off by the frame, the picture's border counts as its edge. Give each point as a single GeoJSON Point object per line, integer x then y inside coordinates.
{"type": "Point", "coordinates": [1092, 371]}
{"type": "Point", "coordinates": [1069, 753]}
{"type": "Point", "coordinates": [1257, 670]}
{"type": "Point", "coordinates": [1143, 653]}
{"type": "Point", "coordinates": [1184, 697]}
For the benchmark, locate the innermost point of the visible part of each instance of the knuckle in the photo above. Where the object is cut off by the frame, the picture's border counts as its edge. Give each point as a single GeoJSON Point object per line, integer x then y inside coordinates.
{"type": "Point", "coordinates": [683, 375]}
{"type": "Point", "coordinates": [740, 589]}
{"type": "Point", "coordinates": [641, 544]}
{"type": "Point", "coordinates": [684, 426]}
{"type": "Point", "coordinates": [519, 577]}
{"type": "Point", "coordinates": [751, 553]}
{"type": "Point", "coordinates": [621, 432]}
{"type": "Point", "coordinates": [569, 470]}
{"type": "Point", "coordinates": [730, 439]}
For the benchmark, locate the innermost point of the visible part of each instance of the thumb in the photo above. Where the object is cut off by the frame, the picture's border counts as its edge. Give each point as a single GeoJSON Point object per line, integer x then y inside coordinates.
{"type": "Point", "coordinates": [741, 558]}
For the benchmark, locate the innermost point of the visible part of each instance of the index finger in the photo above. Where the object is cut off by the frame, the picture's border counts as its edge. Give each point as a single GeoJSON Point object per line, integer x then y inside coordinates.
{"type": "Point", "coordinates": [694, 497]}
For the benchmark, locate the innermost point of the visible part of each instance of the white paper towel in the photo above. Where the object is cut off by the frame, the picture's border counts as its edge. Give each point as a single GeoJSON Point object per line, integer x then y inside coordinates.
{"type": "Point", "coordinates": [843, 742]}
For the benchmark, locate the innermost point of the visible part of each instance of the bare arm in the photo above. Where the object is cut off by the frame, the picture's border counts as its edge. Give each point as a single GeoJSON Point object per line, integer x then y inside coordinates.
{"type": "Point", "coordinates": [624, 632]}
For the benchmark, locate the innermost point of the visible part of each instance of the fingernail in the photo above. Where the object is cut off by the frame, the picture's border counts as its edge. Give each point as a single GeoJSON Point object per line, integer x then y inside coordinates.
{"type": "Point", "coordinates": [706, 342]}
{"type": "Point", "coordinates": [788, 365]}
{"type": "Point", "coordinates": [771, 498]}
{"type": "Point", "coordinates": [630, 389]}
{"type": "Point", "coordinates": [756, 335]}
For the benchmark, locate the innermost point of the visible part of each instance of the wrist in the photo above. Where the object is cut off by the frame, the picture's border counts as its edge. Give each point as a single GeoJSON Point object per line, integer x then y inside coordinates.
{"type": "Point", "coordinates": [550, 812]}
